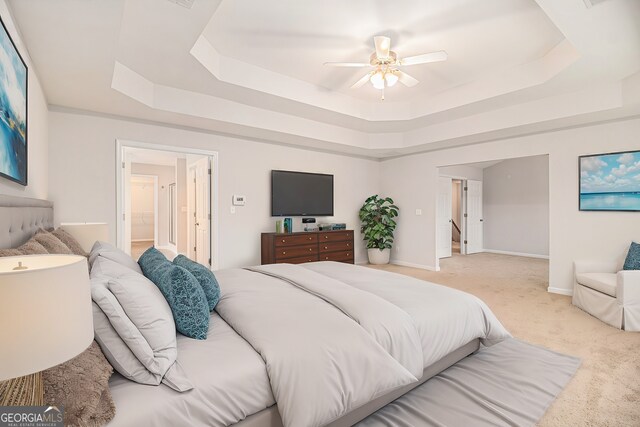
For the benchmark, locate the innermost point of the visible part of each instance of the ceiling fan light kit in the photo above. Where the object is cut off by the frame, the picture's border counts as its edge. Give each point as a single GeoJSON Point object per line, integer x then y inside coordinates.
{"type": "Point", "coordinates": [386, 63]}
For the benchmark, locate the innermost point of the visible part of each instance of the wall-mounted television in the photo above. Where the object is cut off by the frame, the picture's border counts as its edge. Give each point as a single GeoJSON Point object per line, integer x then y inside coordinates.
{"type": "Point", "coordinates": [301, 194]}
{"type": "Point", "coordinates": [610, 182]}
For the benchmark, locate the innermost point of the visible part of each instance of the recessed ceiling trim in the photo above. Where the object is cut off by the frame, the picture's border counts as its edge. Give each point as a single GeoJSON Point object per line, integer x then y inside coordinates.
{"type": "Point", "coordinates": [250, 76]}
{"type": "Point", "coordinates": [184, 3]}
{"type": "Point", "coordinates": [605, 98]}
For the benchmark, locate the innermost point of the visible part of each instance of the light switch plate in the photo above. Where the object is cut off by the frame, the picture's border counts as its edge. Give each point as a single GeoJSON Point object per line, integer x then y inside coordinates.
{"type": "Point", "coordinates": [238, 200]}
{"type": "Point", "coordinates": [418, 212]}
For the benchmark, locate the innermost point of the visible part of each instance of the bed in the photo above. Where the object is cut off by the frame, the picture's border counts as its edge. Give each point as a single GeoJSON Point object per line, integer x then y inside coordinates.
{"type": "Point", "coordinates": [315, 344]}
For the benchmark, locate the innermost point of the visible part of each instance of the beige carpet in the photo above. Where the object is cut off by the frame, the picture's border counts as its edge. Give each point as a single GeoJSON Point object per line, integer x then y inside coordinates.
{"type": "Point", "coordinates": [606, 388]}
{"type": "Point", "coordinates": [138, 248]}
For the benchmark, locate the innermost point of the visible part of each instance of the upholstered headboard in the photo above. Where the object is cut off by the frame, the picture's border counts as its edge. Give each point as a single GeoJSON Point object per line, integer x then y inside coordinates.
{"type": "Point", "coordinates": [21, 217]}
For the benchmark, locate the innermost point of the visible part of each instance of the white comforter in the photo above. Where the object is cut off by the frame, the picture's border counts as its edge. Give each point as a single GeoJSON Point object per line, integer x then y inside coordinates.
{"type": "Point", "coordinates": [335, 336]}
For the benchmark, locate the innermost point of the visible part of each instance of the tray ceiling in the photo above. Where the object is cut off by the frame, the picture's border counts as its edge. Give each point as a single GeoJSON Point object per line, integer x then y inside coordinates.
{"type": "Point", "coordinates": [254, 69]}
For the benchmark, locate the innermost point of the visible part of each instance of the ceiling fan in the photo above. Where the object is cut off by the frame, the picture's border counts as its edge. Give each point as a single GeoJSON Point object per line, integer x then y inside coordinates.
{"type": "Point", "coordinates": [385, 63]}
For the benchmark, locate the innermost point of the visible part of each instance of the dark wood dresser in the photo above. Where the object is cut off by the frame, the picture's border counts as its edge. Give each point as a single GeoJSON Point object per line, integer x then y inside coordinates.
{"type": "Point", "coordinates": [307, 246]}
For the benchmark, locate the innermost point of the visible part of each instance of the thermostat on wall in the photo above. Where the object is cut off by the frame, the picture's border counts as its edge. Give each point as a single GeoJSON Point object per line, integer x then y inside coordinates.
{"type": "Point", "coordinates": [238, 200]}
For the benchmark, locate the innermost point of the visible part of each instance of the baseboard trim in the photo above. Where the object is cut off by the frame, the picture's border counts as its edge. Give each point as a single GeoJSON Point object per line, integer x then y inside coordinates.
{"type": "Point", "coordinates": [523, 254]}
{"type": "Point", "coordinates": [561, 291]}
{"type": "Point", "coordinates": [412, 265]}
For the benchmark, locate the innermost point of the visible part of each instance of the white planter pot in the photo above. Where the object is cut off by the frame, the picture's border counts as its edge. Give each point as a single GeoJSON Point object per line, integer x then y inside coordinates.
{"type": "Point", "coordinates": [379, 256]}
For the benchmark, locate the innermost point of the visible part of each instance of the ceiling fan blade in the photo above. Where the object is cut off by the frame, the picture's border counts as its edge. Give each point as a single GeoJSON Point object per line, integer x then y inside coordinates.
{"type": "Point", "coordinates": [406, 79]}
{"type": "Point", "coordinates": [383, 44]}
{"type": "Point", "coordinates": [347, 64]}
{"type": "Point", "coordinates": [424, 58]}
{"type": "Point", "coordinates": [362, 81]}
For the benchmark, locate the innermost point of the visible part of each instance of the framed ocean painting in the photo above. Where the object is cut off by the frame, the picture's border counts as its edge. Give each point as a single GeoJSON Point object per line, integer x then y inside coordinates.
{"type": "Point", "coordinates": [13, 111]}
{"type": "Point", "coordinates": [610, 182]}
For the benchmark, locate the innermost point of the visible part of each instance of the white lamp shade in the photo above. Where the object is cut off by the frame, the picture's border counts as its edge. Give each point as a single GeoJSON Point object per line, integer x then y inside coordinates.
{"type": "Point", "coordinates": [377, 80]}
{"type": "Point", "coordinates": [87, 233]}
{"type": "Point", "coordinates": [391, 79]}
{"type": "Point", "coordinates": [45, 312]}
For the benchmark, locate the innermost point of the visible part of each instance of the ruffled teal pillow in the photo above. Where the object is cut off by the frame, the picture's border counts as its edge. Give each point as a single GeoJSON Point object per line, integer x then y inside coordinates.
{"type": "Point", "coordinates": [204, 276]}
{"type": "Point", "coordinates": [633, 257]}
{"type": "Point", "coordinates": [150, 260]}
{"type": "Point", "coordinates": [181, 290]}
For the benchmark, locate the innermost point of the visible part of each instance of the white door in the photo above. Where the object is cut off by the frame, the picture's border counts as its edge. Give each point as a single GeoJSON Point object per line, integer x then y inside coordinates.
{"type": "Point", "coordinates": [191, 212]}
{"type": "Point", "coordinates": [126, 202]}
{"type": "Point", "coordinates": [203, 210]}
{"type": "Point", "coordinates": [475, 234]}
{"type": "Point", "coordinates": [443, 232]}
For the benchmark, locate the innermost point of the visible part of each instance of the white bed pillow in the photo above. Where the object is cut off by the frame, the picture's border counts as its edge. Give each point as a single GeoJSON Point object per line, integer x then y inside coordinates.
{"type": "Point", "coordinates": [117, 352]}
{"type": "Point", "coordinates": [140, 320]}
{"type": "Point", "coordinates": [107, 250]}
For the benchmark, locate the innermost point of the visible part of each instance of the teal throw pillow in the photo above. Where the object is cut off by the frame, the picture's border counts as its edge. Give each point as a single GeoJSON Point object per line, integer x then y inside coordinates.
{"type": "Point", "coordinates": [150, 260]}
{"type": "Point", "coordinates": [633, 257]}
{"type": "Point", "coordinates": [204, 276]}
{"type": "Point", "coordinates": [181, 290]}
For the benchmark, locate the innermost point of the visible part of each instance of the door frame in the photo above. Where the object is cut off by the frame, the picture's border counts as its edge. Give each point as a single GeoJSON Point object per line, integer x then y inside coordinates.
{"type": "Point", "coordinates": [463, 210]}
{"type": "Point", "coordinates": [439, 219]}
{"type": "Point", "coordinates": [192, 197]}
{"type": "Point", "coordinates": [463, 226]}
{"type": "Point", "coordinates": [482, 212]}
{"type": "Point", "coordinates": [155, 205]}
{"type": "Point", "coordinates": [191, 190]}
{"type": "Point", "coordinates": [122, 144]}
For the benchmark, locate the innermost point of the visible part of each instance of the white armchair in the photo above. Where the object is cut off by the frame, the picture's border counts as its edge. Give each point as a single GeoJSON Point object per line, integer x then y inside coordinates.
{"type": "Point", "coordinates": [605, 291]}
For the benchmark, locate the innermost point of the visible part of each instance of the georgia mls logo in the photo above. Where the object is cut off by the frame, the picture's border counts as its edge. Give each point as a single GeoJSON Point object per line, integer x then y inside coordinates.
{"type": "Point", "coordinates": [31, 416]}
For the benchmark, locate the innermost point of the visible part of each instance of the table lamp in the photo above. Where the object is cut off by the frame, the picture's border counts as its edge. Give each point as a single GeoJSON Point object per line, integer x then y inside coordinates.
{"type": "Point", "coordinates": [45, 319]}
{"type": "Point", "coordinates": [87, 233]}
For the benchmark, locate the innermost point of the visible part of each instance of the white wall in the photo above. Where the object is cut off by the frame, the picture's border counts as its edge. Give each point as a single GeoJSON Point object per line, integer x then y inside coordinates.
{"type": "Point", "coordinates": [462, 171]}
{"type": "Point", "coordinates": [412, 182]}
{"type": "Point", "coordinates": [37, 122]}
{"type": "Point", "coordinates": [516, 206]}
{"type": "Point", "coordinates": [83, 184]}
{"type": "Point", "coordinates": [166, 175]}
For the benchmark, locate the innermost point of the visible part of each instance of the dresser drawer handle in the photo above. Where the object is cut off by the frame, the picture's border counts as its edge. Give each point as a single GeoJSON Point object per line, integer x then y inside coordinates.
{"type": "Point", "coordinates": [283, 240]}
{"type": "Point", "coordinates": [347, 244]}
{"type": "Point", "coordinates": [326, 237]}
{"type": "Point", "coordinates": [326, 247]}
{"type": "Point", "coordinates": [309, 238]}
{"type": "Point", "coordinates": [348, 254]}
{"type": "Point", "coordinates": [326, 257]}
{"type": "Point", "coordinates": [310, 249]}
{"type": "Point", "coordinates": [284, 252]}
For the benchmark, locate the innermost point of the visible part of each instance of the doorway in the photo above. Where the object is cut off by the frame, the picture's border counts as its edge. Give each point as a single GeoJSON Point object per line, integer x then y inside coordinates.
{"type": "Point", "coordinates": [456, 215]}
{"type": "Point", "coordinates": [459, 216]}
{"type": "Point", "coordinates": [144, 213]}
{"type": "Point", "coordinates": [185, 197]}
{"type": "Point", "coordinates": [199, 247]}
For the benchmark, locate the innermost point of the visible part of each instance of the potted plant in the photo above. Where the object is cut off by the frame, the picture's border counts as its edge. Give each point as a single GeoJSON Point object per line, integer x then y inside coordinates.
{"type": "Point", "coordinates": [377, 217]}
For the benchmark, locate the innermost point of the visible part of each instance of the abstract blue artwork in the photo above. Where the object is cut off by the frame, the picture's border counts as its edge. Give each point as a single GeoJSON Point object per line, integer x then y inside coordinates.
{"type": "Point", "coordinates": [13, 111]}
{"type": "Point", "coordinates": [610, 182]}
